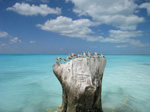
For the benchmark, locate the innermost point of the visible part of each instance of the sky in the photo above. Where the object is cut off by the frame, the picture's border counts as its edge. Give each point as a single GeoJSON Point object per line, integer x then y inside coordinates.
{"type": "Point", "coordinates": [74, 26]}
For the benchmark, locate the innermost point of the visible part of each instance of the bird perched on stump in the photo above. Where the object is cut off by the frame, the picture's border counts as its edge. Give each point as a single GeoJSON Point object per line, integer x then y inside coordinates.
{"type": "Point", "coordinates": [89, 54]}
{"type": "Point", "coordinates": [80, 56]}
{"type": "Point", "coordinates": [97, 55]}
{"type": "Point", "coordinates": [64, 59]}
{"type": "Point", "coordinates": [69, 58]}
{"type": "Point", "coordinates": [73, 54]}
{"type": "Point", "coordinates": [102, 56]}
{"type": "Point", "coordinates": [76, 56]}
{"type": "Point", "coordinates": [85, 55]}
{"type": "Point", "coordinates": [56, 59]}
{"type": "Point", "coordinates": [59, 58]}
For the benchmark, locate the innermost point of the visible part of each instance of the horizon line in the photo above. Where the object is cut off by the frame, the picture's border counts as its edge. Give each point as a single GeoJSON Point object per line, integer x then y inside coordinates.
{"type": "Point", "coordinates": [68, 53]}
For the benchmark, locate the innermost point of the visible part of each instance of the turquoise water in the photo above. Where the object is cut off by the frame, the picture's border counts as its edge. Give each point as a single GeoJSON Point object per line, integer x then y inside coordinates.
{"type": "Point", "coordinates": [27, 83]}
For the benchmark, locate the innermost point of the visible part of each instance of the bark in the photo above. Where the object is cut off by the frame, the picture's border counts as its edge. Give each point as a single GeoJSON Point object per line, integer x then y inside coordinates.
{"type": "Point", "coordinates": [81, 81]}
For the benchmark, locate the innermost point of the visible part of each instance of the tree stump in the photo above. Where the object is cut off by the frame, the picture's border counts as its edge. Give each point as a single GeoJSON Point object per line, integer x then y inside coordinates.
{"type": "Point", "coordinates": [81, 81]}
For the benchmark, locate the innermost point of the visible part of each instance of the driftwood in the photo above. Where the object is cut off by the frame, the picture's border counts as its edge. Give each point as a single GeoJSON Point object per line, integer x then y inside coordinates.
{"type": "Point", "coordinates": [81, 81]}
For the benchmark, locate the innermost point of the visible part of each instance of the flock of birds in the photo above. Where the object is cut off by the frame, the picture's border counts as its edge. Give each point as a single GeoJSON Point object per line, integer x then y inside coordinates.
{"type": "Point", "coordinates": [73, 56]}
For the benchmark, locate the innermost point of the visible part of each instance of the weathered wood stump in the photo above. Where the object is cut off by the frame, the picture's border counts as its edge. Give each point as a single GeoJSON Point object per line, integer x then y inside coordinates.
{"type": "Point", "coordinates": [81, 81]}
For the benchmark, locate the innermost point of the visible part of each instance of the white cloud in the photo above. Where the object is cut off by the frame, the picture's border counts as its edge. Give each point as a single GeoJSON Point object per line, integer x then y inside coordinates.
{"type": "Point", "coordinates": [9, 40]}
{"type": "Point", "coordinates": [81, 29]}
{"type": "Point", "coordinates": [3, 34]}
{"type": "Point", "coordinates": [121, 21]}
{"type": "Point", "coordinates": [44, 1]}
{"type": "Point", "coordinates": [32, 42]}
{"type": "Point", "coordinates": [121, 46]}
{"type": "Point", "coordinates": [103, 7]}
{"type": "Point", "coordinates": [68, 27]}
{"type": "Point", "coordinates": [124, 34]}
{"type": "Point", "coordinates": [119, 14]}
{"type": "Point", "coordinates": [30, 10]}
{"type": "Point", "coordinates": [3, 45]}
{"type": "Point", "coordinates": [147, 6]}
{"type": "Point", "coordinates": [128, 37]}
{"type": "Point", "coordinates": [15, 40]}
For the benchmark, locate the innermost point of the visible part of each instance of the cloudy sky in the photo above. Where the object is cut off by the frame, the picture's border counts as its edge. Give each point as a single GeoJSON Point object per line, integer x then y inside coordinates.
{"type": "Point", "coordinates": [64, 26]}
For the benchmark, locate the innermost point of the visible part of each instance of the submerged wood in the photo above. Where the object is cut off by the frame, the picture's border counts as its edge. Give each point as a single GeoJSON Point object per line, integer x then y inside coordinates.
{"type": "Point", "coordinates": [81, 81]}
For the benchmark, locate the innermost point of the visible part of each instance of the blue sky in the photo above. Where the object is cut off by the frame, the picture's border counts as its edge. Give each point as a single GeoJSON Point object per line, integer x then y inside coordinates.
{"type": "Point", "coordinates": [65, 26]}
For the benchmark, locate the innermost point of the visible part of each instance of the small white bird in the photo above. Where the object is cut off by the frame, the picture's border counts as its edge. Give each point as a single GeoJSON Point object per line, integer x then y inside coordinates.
{"type": "Point", "coordinates": [96, 54]}
{"type": "Point", "coordinates": [73, 54]}
{"type": "Point", "coordinates": [89, 54]}
{"type": "Point", "coordinates": [85, 55]}
{"type": "Point", "coordinates": [59, 58]}
{"type": "Point", "coordinates": [102, 56]}
{"type": "Point", "coordinates": [56, 59]}
{"type": "Point", "coordinates": [76, 56]}
{"type": "Point", "coordinates": [69, 58]}
{"type": "Point", "coordinates": [80, 56]}
{"type": "Point", "coordinates": [64, 59]}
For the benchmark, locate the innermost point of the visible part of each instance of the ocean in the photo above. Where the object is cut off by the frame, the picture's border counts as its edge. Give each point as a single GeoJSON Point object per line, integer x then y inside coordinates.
{"type": "Point", "coordinates": [28, 84]}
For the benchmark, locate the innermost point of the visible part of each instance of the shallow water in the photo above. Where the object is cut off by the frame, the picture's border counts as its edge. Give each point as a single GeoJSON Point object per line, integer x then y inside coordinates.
{"type": "Point", "coordinates": [27, 83]}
